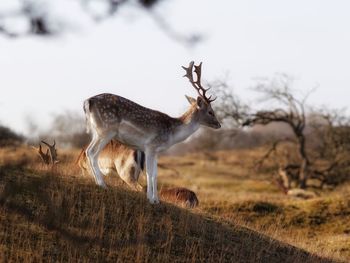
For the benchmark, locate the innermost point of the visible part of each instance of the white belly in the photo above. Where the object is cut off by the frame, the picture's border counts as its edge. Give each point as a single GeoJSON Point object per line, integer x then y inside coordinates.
{"type": "Point", "coordinates": [133, 136]}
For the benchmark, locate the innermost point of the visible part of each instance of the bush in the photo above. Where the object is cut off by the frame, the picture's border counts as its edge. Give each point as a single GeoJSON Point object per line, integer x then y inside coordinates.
{"type": "Point", "coordinates": [9, 137]}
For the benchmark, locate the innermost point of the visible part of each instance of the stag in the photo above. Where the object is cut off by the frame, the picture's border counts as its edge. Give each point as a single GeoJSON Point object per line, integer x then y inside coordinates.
{"type": "Point", "coordinates": [50, 157]}
{"type": "Point", "coordinates": [45, 157]}
{"type": "Point", "coordinates": [110, 116]}
{"type": "Point", "coordinates": [53, 152]}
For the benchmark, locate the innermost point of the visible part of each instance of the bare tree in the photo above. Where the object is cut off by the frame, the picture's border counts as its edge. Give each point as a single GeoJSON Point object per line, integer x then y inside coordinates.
{"type": "Point", "coordinates": [37, 16]}
{"type": "Point", "coordinates": [281, 105]}
{"type": "Point", "coordinates": [69, 129]}
{"type": "Point", "coordinates": [38, 19]}
{"type": "Point", "coordinates": [289, 110]}
{"type": "Point", "coordinates": [332, 127]}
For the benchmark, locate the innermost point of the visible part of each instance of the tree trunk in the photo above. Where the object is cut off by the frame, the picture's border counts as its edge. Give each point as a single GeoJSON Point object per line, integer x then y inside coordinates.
{"type": "Point", "coordinates": [303, 173]}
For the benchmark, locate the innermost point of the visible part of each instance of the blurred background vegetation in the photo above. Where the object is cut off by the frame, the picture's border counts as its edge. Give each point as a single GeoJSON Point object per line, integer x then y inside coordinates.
{"type": "Point", "coordinates": [244, 174]}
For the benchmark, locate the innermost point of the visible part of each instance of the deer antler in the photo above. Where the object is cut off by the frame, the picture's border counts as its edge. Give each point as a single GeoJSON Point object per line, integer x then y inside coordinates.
{"type": "Point", "coordinates": [53, 152]}
{"type": "Point", "coordinates": [44, 157]}
{"type": "Point", "coordinates": [197, 84]}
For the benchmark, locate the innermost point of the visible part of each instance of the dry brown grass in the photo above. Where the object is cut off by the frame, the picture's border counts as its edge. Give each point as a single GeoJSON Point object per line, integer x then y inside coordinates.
{"type": "Point", "coordinates": [57, 215]}
{"type": "Point", "coordinates": [230, 188]}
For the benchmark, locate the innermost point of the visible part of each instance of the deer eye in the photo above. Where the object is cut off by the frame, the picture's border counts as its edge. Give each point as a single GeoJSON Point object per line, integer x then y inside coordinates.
{"type": "Point", "coordinates": [211, 113]}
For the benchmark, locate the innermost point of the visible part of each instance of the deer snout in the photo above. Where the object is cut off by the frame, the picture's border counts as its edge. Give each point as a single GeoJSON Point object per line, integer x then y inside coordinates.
{"type": "Point", "coordinates": [216, 125]}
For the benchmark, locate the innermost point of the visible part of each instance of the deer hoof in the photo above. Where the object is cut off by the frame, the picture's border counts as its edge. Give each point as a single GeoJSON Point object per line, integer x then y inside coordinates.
{"type": "Point", "coordinates": [154, 201]}
{"type": "Point", "coordinates": [103, 185]}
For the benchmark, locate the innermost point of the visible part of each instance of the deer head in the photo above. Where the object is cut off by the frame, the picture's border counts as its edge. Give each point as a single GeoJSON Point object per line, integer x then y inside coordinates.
{"type": "Point", "coordinates": [45, 157]}
{"type": "Point", "coordinates": [53, 152]}
{"type": "Point", "coordinates": [202, 103]}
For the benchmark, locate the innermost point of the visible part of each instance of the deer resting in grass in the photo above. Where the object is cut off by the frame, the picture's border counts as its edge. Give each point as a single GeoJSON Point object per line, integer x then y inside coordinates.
{"type": "Point", "coordinates": [286, 175]}
{"type": "Point", "coordinates": [53, 152]}
{"type": "Point", "coordinates": [45, 157]}
{"type": "Point", "coordinates": [110, 117]}
{"type": "Point", "coordinates": [127, 162]}
{"type": "Point", "coordinates": [50, 157]}
{"type": "Point", "coordinates": [180, 195]}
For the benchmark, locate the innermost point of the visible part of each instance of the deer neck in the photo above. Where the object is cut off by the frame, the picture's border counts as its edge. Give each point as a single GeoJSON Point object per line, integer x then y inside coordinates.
{"type": "Point", "coordinates": [188, 124]}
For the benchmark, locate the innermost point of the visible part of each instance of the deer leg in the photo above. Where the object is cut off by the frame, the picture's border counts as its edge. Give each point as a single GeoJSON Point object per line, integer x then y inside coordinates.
{"type": "Point", "coordinates": [150, 171]}
{"type": "Point", "coordinates": [92, 152]}
{"type": "Point", "coordinates": [92, 155]}
{"type": "Point", "coordinates": [135, 174]}
{"type": "Point", "coordinates": [128, 175]}
{"type": "Point", "coordinates": [154, 181]}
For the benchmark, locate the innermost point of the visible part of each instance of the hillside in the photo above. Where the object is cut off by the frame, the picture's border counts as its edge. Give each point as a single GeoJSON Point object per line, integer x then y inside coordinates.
{"type": "Point", "coordinates": [51, 217]}
{"type": "Point", "coordinates": [232, 190]}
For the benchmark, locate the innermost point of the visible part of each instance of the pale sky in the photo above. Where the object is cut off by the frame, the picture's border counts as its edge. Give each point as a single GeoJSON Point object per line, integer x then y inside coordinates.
{"type": "Point", "coordinates": [130, 56]}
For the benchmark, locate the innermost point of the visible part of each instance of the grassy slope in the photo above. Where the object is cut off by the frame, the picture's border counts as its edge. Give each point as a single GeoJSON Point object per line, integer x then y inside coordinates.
{"type": "Point", "coordinates": [230, 189]}
{"type": "Point", "coordinates": [50, 217]}
{"type": "Point", "coordinates": [321, 225]}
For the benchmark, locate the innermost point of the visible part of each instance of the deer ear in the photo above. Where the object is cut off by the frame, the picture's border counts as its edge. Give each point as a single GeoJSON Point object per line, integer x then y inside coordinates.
{"type": "Point", "coordinates": [200, 102]}
{"type": "Point", "coordinates": [190, 100]}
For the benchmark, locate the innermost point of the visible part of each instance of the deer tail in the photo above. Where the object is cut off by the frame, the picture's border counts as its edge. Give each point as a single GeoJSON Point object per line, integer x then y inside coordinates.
{"type": "Point", "coordinates": [87, 114]}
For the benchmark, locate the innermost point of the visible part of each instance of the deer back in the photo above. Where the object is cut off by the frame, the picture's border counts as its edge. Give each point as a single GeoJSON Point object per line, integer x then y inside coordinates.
{"type": "Point", "coordinates": [180, 195]}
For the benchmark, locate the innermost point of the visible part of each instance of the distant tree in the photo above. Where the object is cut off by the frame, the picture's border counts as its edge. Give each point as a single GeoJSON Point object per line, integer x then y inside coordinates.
{"type": "Point", "coordinates": [68, 129]}
{"type": "Point", "coordinates": [9, 137]}
{"type": "Point", "coordinates": [39, 21]}
{"type": "Point", "coordinates": [281, 105]}
{"type": "Point", "coordinates": [332, 130]}
{"type": "Point", "coordinates": [34, 11]}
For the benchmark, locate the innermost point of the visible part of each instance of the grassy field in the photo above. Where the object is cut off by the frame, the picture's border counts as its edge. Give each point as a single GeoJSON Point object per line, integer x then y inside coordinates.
{"type": "Point", "coordinates": [60, 216]}
{"type": "Point", "coordinates": [232, 191]}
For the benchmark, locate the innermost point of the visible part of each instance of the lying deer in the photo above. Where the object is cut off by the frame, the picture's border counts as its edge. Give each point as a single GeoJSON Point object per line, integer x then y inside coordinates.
{"type": "Point", "coordinates": [179, 195]}
{"type": "Point", "coordinates": [288, 174]}
{"type": "Point", "coordinates": [127, 162]}
{"type": "Point", "coordinates": [110, 116]}
{"type": "Point", "coordinates": [283, 183]}
{"type": "Point", "coordinates": [50, 157]}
